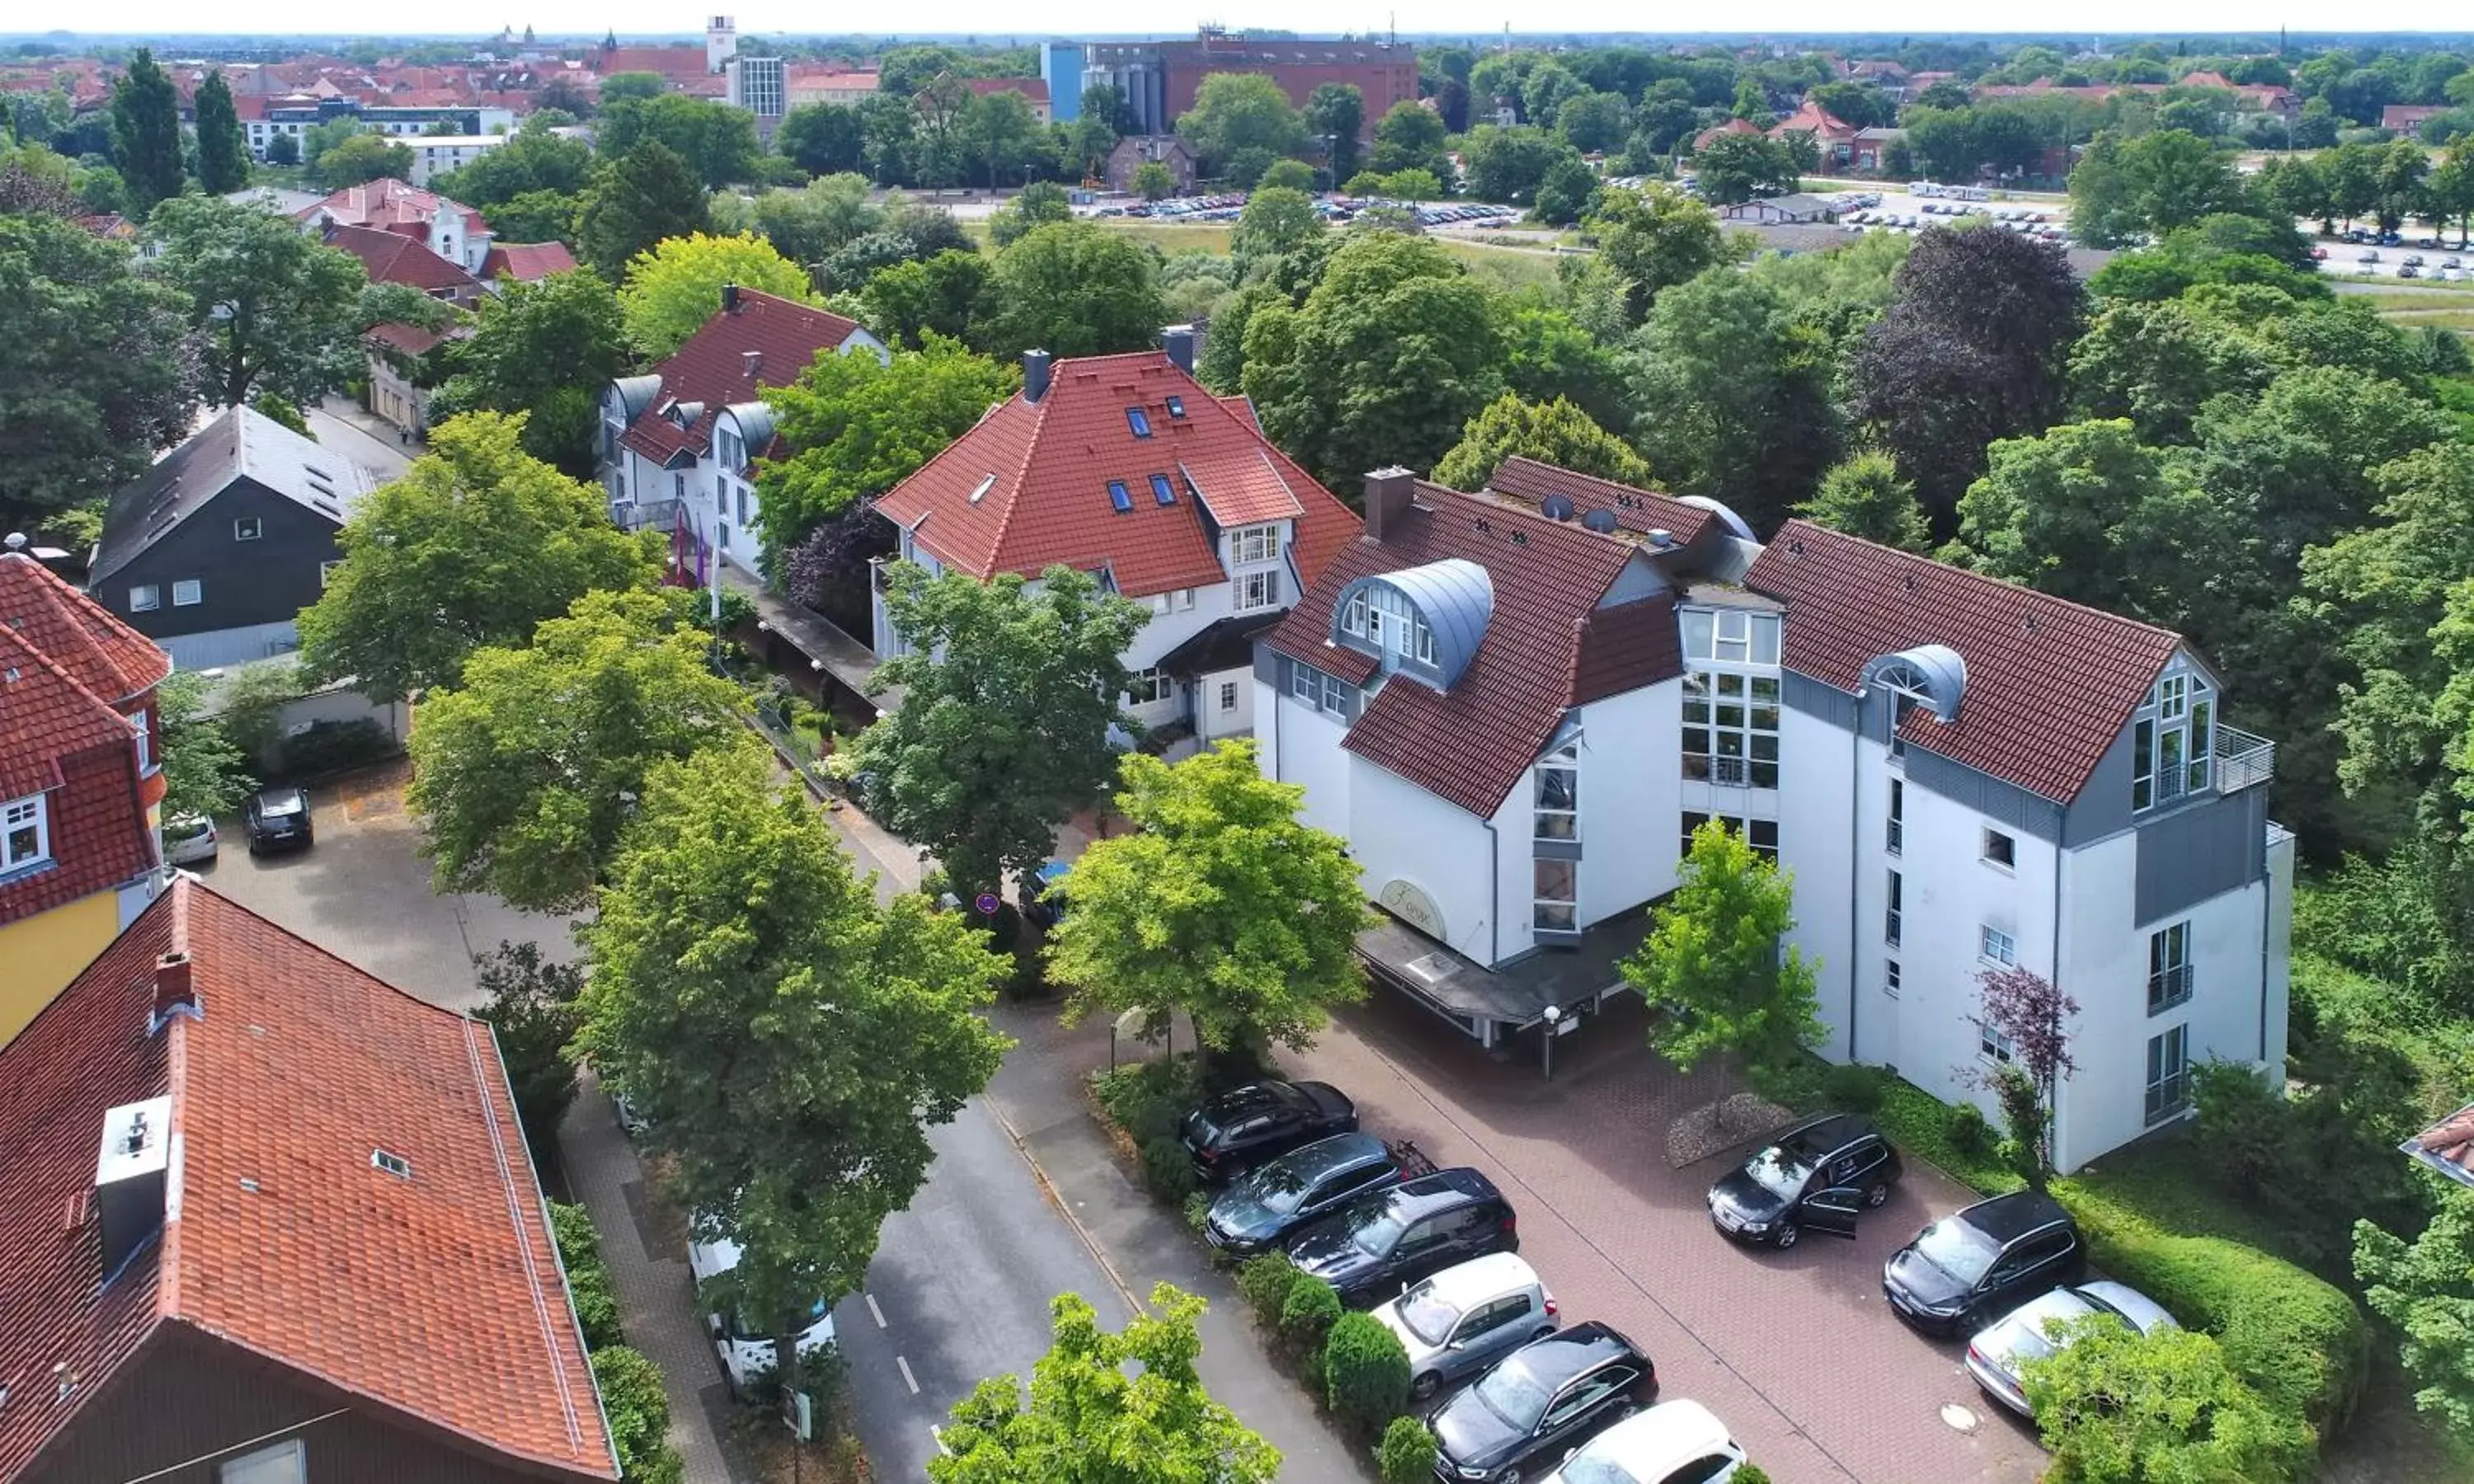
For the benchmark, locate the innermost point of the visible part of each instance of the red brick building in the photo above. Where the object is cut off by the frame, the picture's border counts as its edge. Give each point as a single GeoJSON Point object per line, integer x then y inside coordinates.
{"type": "Point", "coordinates": [1160, 78]}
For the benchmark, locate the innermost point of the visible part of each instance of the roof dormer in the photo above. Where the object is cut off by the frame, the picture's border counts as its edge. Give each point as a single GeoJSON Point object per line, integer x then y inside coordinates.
{"type": "Point", "coordinates": [1425, 622]}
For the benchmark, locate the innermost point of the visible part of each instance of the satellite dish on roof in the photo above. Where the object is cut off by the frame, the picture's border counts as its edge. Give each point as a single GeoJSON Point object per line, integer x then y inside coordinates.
{"type": "Point", "coordinates": [1602, 521]}
{"type": "Point", "coordinates": [1555, 507]}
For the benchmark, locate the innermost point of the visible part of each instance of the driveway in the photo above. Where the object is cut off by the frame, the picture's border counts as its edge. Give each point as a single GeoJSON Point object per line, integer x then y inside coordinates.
{"type": "Point", "coordinates": [341, 424]}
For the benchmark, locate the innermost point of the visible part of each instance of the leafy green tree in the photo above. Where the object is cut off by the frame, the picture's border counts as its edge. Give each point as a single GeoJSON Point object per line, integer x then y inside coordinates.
{"type": "Point", "coordinates": [548, 348]}
{"type": "Point", "coordinates": [789, 1041]}
{"type": "Point", "coordinates": [1235, 111]}
{"type": "Point", "coordinates": [1509, 164]}
{"type": "Point", "coordinates": [532, 159]}
{"type": "Point", "coordinates": [526, 771]}
{"type": "Point", "coordinates": [1594, 121]}
{"type": "Point", "coordinates": [1545, 90]}
{"type": "Point", "coordinates": [1276, 219]}
{"type": "Point", "coordinates": [1220, 904]}
{"type": "Point", "coordinates": [717, 141]}
{"type": "Point", "coordinates": [806, 225]}
{"type": "Point", "coordinates": [1010, 696]}
{"type": "Point", "coordinates": [2124, 188]}
{"type": "Point", "coordinates": [1293, 175]}
{"type": "Point", "coordinates": [223, 157]}
{"type": "Point", "coordinates": [2072, 513]}
{"type": "Point", "coordinates": [202, 771]}
{"type": "Point", "coordinates": [859, 427]}
{"type": "Point", "coordinates": [1569, 192]}
{"type": "Point", "coordinates": [822, 138]}
{"type": "Point", "coordinates": [1732, 391]}
{"type": "Point", "coordinates": [675, 286]}
{"type": "Point", "coordinates": [1556, 432]}
{"type": "Point", "coordinates": [538, 216]}
{"type": "Point", "coordinates": [1735, 168]}
{"type": "Point", "coordinates": [1550, 354]}
{"type": "Point", "coordinates": [908, 303]}
{"type": "Point", "coordinates": [1716, 963]}
{"type": "Point", "coordinates": [146, 133]}
{"type": "Point", "coordinates": [530, 1002]}
{"type": "Point", "coordinates": [2117, 1406]}
{"type": "Point", "coordinates": [636, 200]}
{"type": "Point", "coordinates": [2296, 462]}
{"type": "Point", "coordinates": [1863, 496]}
{"type": "Point", "coordinates": [632, 87]}
{"type": "Point", "coordinates": [100, 371]}
{"type": "Point", "coordinates": [1336, 119]}
{"type": "Point", "coordinates": [1003, 138]}
{"type": "Point", "coordinates": [1399, 186]}
{"type": "Point", "coordinates": [2155, 363]}
{"type": "Point", "coordinates": [1153, 180]}
{"type": "Point", "coordinates": [1409, 137]}
{"type": "Point", "coordinates": [360, 158]}
{"type": "Point", "coordinates": [2425, 1288]}
{"type": "Point", "coordinates": [1657, 237]}
{"type": "Point", "coordinates": [270, 307]}
{"type": "Point", "coordinates": [1070, 288]}
{"type": "Point", "coordinates": [1126, 1409]}
{"type": "Point", "coordinates": [475, 544]}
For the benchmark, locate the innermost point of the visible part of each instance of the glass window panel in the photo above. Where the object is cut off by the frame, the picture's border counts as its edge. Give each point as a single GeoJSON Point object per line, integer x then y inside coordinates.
{"type": "Point", "coordinates": [1697, 629]}
{"type": "Point", "coordinates": [1765, 774]}
{"type": "Point", "coordinates": [1730, 684]}
{"type": "Point", "coordinates": [1765, 639]}
{"type": "Point", "coordinates": [1557, 880]}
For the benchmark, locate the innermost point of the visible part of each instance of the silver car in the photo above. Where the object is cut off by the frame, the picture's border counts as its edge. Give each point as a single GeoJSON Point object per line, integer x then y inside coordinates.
{"type": "Point", "coordinates": [1995, 1356]}
{"type": "Point", "coordinates": [1465, 1318]}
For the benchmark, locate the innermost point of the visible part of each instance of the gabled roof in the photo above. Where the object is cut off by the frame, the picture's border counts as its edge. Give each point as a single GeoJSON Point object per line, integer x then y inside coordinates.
{"type": "Point", "coordinates": [1811, 118]}
{"type": "Point", "coordinates": [1529, 480]}
{"type": "Point", "coordinates": [60, 738]}
{"type": "Point", "coordinates": [1046, 467]}
{"type": "Point", "coordinates": [76, 633]}
{"type": "Point", "coordinates": [392, 258]}
{"type": "Point", "coordinates": [434, 1296]}
{"type": "Point", "coordinates": [389, 205]}
{"type": "Point", "coordinates": [1033, 89]}
{"type": "Point", "coordinates": [2050, 683]}
{"type": "Point", "coordinates": [241, 443]}
{"type": "Point", "coordinates": [711, 368]}
{"type": "Point", "coordinates": [526, 261]}
{"type": "Point", "coordinates": [1547, 646]}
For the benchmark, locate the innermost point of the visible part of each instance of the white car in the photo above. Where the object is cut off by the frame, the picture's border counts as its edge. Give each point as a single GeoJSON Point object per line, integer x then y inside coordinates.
{"type": "Point", "coordinates": [1672, 1442]}
{"type": "Point", "coordinates": [187, 839]}
{"type": "Point", "coordinates": [1461, 1320]}
{"type": "Point", "coordinates": [1996, 1352]}
{"type": "Point", "coordinates": [746, 1351]}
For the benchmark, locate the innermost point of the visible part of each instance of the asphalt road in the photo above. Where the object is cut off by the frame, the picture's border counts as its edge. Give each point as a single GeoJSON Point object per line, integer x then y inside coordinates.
{"type": "Point", "coordinates": [340, 426]}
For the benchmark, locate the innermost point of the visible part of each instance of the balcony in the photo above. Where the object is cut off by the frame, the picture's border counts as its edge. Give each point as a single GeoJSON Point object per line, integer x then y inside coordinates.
{"type": "Point", "coordinates": [645, 515]}
{"type": "Point", "coordinates": [2242, 761]}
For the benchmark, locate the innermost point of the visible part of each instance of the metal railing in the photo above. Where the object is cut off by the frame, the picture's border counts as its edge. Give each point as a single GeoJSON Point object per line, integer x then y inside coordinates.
{"type": "Point", "coordinates": [645, 515]}
{"type": "Point", "coordinates": [2242, 761]}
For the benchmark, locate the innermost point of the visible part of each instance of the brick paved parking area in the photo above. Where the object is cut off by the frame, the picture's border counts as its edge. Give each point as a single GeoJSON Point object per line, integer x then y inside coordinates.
{"type": "Point", "coordinates": [1796, 1351]}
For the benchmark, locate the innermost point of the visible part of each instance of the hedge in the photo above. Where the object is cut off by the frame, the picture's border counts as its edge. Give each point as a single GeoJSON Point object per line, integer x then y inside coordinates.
{"type": "Point", "coordinates": [1265, 1283]}
{"type": "Point", "coordinates": [588, 1275]}
{"type": "Point", "coordinates": [1407, 1455]}
{"type": "Point", "coordinates": [1366, 1373]}
{"type": "Point", "coordinates": [639, 1414]}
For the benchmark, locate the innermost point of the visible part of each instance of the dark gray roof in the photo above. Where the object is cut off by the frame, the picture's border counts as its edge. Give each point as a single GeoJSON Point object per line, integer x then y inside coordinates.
{"type": "Point", "coordinates": [240, 443]}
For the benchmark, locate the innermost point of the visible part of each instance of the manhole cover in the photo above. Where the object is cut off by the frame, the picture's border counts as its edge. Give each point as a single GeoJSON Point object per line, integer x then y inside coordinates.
{"type": "Point", "coordinates": [1960, 1418]}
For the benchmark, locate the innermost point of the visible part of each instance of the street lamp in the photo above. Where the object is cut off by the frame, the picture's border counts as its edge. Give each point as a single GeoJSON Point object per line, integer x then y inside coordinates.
{"type": "Point", "coordinates": [1553, 1028]}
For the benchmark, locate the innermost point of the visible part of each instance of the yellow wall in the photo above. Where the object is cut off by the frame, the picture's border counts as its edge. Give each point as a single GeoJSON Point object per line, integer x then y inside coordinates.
{"type": "Point", "coordinates": [40, 954]}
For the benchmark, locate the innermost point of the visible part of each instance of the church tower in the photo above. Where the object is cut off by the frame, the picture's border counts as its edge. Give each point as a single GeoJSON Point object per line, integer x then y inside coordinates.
{"type": "Point", "coordinates": [720, 43]}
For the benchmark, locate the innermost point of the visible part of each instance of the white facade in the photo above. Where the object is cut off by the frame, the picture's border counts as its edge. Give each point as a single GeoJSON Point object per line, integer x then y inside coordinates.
{"type": "Point", "coordinates": [435, 154]}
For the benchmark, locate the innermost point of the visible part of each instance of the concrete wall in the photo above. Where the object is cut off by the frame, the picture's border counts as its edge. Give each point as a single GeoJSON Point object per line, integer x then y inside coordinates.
{"type": "Point", "coordinates": [1398, 831]}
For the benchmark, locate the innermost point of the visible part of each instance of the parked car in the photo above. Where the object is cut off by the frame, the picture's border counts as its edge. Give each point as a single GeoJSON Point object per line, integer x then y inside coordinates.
{"type": "Point", "coordinates": [1465, 1317]}
{"type": "Point", "coordinates": [631, 1123]}
{"type": "Point", "coordinates": [1819, 1173]}
{"type": "Point", "coordinates": [278, 818]}
{"type": "Point", "coordinates": [2413, 260]}
{"type": "Point", "coordinates": [1041, 899]}
{"type": "Point", "coordinates": [746, 1349]}
{"type": "Point", "coordinates": [1983, 1261]}
{"type": "Point", "coordinates": [1672, 1442]}
{"type": "Point", "coordinates": [1244, 1126]}
{"type": "Point", "coordinates": [1995, 1356]}
{"type": "Point", "coordinates": [1384, 1240]}
{"type": "Point", "coordinates": [1539, 1402]}
{"type": "Point", "coordinates": [188, 839]}
{"type": "Point", "coordinates": [1261, 1208]}
{"type": "Point", "coordinates": [2319, 254]}
{"type": "Point", "coordinates": [2370, 256]}
{"type": "Point", "coordinates": [2408, 271]}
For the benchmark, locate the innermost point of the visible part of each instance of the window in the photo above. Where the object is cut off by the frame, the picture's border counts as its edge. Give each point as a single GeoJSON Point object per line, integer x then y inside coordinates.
{"type": "Point", "coordinates": [1151, 686]}
{"type": "Point", "coordinates": [2168, 1073]}
{"type": "Point", "coordinates": [1335, 697]}
{"type": "Point", "coordinates": [187, 593]}
{"type": "Point", "coordinates": [145, 598]}
{"type": "Point", "coordinates": [1257, 591]}
{"type": "Point", "coordinates": [143, 726]}
{"type": "Point", "coordinates": [1890, 977]}
{"type": "Point", "coordinates": [1182, 600]}
{"type": "Point", "coordinates": [1426, 642]}
{"type": "Point", "coordinates": [679, 487]}
{"type": "Point", "coordinates": [25, 834]}
{"type": "Point", "coordinates": [743, 505]}
{"type": "Point", "coordinates": [284, 1463]}
{"type": "Point", "coordinates": [392, 1162]}
{"type": "Point", "coordinates": [247, 529]}
{"type": "Point", "coordinates": [1999, 850]}
{"type": "Point", "coordinates": [1139, 420]}
{"type": "Point", "coordinates": [1306, 685]}
{"type": "Point", "coordinates": [1558, 811]}
{"type": "Point", "coordinates": [327, 571]}
{"type": "Point", "coordinates": [1227, 695]}
{"type": "Point", "coordinates": [733, 453]}
{"type": "Point", "coordinates": [1352, 614]}
{"type": "Point", "coordinates": [1760, 834]}
{"type": "Point", "coordinates": [1897, 910]}
{"type": "Point", "coordinates": [1119, 498]}
{"type": "Point", "coordinates": [1990, 1042]}
{"type": "Point", "coordinates": [2168, 966]}
{"type": "Point", "coordinates": [1162, 490]}
{"type": "Point", "coordinates": [2172, 741]}
{"type": "Point", "coordinates": [1731, 637]}
{"type": "Point", "coordinates": [1251, 544]}
{"type": "Point", "coordinates": [1557, 909]}
{"type": "Point", "coordinates": [1995, 945]}
{"type": "Point", "coordinates": [1731, 729]}
{"type": "Point", "coordinates": [1176, 407]}
{"type": "Point", "coordinates": [1897, 832]}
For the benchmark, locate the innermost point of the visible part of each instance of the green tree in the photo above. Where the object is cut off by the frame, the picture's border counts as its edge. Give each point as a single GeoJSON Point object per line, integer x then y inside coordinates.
{"type": "Point", "coordinates": [538, 216]}
{"type": "Point", "coordinates": [822, 138]}
{"type": "Point", "coordinates": [359, 158]}
{"type": "Point", "coordinates": [1336, 119]}
{"type": "Point", "coordinates": [475, 544]}
{"type": "Point", "coordinates": [549, 349]}
{"type": "Point", "coordinates": [1567, 193]}
{"type": "Point", "coordinates": [1657, 237]}
{"type": "Point", "coordinates": [1863, 496]}
{"type": "Point", "coordinates": [1409, 137]}
{"type": "Point", "coordinates": [1732, 391]}
{"type": "Point", "coordinates": [1509, 164]}
{"type": "Point", "coordinates": [1556, 432]}
{"type": "Point", "coordinates": [1010, 695]}
{"type": "Point", "coordinates": [146, 133]}
{"type": "Point", "coordinates": [530, 1002]}
{"type": "Point", "coordinates": [1220, 904]}
{"type": "Point", "coordinates": [638, 200]}
{"type": "Point", "coordinates": [859, 427]}
{"type": "Point", "coordinates": [1039, 203]}
{"type": "Point", "coordinates": [1235, 111]}
{"type": "Point", "coordinates": [1735, 168]}
{"type": "Point", "coordinates": [638, 1410]}
{"type": "Point", "coordinates": [202, 771]}
{"type": "Point", "coordinates": [1594, 121]}
{"type": "Point", "coordinates": [1153, 180]}
{"type": "Point", "coordinates": [1293, 175]}
{"type": "Point", "coordinates": [532, 159]}
{"type": "Point", "coordinates": [675, 286]}
{"type": "Point", "coordinates": [789, 1041]}
{"type": "Point", "coordinates": [1716, 966]}
{"type": "Point", "coordinates": [908, 303]}
{"type": "Point", "coordinates": [2170, 178]}
{"type": "Point", "coordinates": [717, 141]}
{"type": "Point", "coordinates": [1276, 219]}
{"type": "Point", "coordinates": [2425, 1288]}
{"type": "Point", "coordinates": [1003, 138]}
{"type": "Point", "coordinates": [272, 307]}
{"type": "Point", "coordinates": [1070, 288]}
{"type": "Point", "coordinates": [2072, 512]}
{"type": "Point", "coordinates": [1126, 1409]}
{"type": "Point", "coordinates": [526, 771]}
{"type": "Point", "coordinates": [223, 157]}
{"type": "Point", "coordinates": [2117, 1406]}
{"type": "Point", "coordinates": [2155, 363]}
{"type": "Point", "coordinates": [632, 86]}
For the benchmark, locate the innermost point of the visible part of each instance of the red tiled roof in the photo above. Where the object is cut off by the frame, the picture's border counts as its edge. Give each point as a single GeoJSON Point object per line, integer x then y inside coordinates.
{"type": "Point", "coordinates": [526, 261]}
{"type": "Point", "coordinates": [1640, 511]}
{"type": "Point", "coordinates": [1052, 459]}
{"type": "Point", "coordinates": [60, 739]}
{"type": "Point", "coordinates": [435, 1296]}
{"type": "Point", "coordinates": [1546, 646]}
{"type": "Point", "coordinates": [76, 633]}
{"type": "Point", "coordinates": [2050, 683]}
{"type": "Point", "coordinates": [671, 62]}
{"type": "Point", "coordinates": [389, 205]}
{"type": "Point", "coordinates": [1732, 126]}
{"type": "Point", "coordinates": [1811, 118]}
{"type": "Point", "coordinates": [389, 257]}
{"type": "Point", "coordinates": [1033, 89]}
{"type": "Point", "coordinates": [712, 368]}
{"type": "Point", "coordinates": [410, 339]}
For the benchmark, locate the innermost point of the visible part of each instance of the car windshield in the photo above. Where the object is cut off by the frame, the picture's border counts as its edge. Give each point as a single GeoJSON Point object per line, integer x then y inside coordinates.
{"type": "Point", "coordinates": [1510, 1392]}
{"type": "Point", "coordinates": [1376, 1234]}
{"type": "Point", "coordinates": [280, 804]}
{"type": "Point", "coordinates": [1958, 1249]}
{"type": "Point", "coordinates": [1428, 1314]}
{"type": "Point", "coordinates": [1282, 1185]}
{"type": "Point", "coordinates": [1780, 1172]}
{"type": "Point", "coordinates": [1589, 1469]}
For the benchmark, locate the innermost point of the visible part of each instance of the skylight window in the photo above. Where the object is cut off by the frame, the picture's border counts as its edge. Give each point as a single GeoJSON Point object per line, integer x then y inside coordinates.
{"type": "Point", "coordinates": [1119, 498]}
{"type": "Point", "coordinates": [1139, 420]}
{"type": "Point", "coordinates": [1176, 407]}
{"type": "Point", "coordinates": [1162, 490]}
{"type": "Point", "coordinates": [393, 1163]}
{"type": "Point", "coordinates": [981, 490]}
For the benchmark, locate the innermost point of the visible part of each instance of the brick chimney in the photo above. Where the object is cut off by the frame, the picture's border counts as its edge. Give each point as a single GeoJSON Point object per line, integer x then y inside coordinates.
{"type": "Point", "coordinates": [1035, 367]}
{"type": "Point", "coordinates": [730, 299]}
{"type": "Point", "coordinates": [175, 990]}
{"type": "Point", "coordinates": [1388, 493]}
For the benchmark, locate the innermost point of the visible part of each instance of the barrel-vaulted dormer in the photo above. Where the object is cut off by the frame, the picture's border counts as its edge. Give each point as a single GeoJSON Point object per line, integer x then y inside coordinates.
{"type": "Point", "coordinates": [1932, 676]}
{"type": "Point", "coordinates": [1425, 622]}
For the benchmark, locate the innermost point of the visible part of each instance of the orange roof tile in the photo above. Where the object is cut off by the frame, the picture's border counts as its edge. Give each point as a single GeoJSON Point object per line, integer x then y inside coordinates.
{"type": "Point", "coordinates": [77, 634]}
{"type": "Point", "coordinates": [711, 369]}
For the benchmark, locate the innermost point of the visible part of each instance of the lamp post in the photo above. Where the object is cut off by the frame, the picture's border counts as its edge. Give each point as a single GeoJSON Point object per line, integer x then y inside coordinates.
{"type": "Point", "coordinates": [1553, 1028]}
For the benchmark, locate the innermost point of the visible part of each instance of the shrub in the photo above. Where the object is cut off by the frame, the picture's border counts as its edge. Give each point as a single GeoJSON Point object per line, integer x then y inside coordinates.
{"type": "Point", "coordinates": [1147, 1100]}
{"type": "Point", "coordinates": [1312, 1308]}
{"type": "Point", "coordinates": [1197, 1210]}
{"type": "Point", "coordinates": [639, 1414]}
{"type": "Point", "coordinates": [2113, 1403]}
{"type": "Point", "coordinates": [1967, 1130]}
{"type": "Point", "coordinates": [1854, 1087]}
{"type": "Point", "coordinates": [1749, 1472]}
{"type": "Point", "coordinates": [588, 1275]}
{"type": "Point", "coordinates": [1168, 1170]}
{"type": "Point", "coordinates": [1366, 1371]}
{"type": "Point", "coordinates": [531, 1006]}
{"type": "Point", "coordinates": [1408, 1452]}
{"type": "Point", "coordinates": [1264, 1282]}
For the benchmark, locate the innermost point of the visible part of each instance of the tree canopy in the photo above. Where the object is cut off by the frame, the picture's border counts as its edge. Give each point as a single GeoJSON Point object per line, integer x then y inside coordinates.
{"type": "Point", "coordinates": [1556, 432]}
{"type": "Point", "coordinates": [549, 350]}
{"type": "Point", "coordinates": [271, 306]}
{"type": "Point", "coordinates": [2118, 1405]}
{"type": "Point", "coordinates": [146, 132]}
{"type": "Point", "coordinates": [1235, 112]}
{"type": "Point", "coordinates": [1715, 960]}
{"type": "Point", "coordinates": [1070, 288]}
{"type": "Point", "coordinates": [637, 200]}
{"type": "Point", "coordinates": [675, 286]}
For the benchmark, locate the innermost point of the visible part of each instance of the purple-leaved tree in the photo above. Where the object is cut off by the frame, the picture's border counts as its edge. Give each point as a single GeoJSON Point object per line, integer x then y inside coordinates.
{"type": "Point", "coordinates": [2028, 1016]}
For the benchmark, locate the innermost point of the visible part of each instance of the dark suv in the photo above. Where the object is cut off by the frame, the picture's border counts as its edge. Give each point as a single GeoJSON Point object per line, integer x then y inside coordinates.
{"type": "Point", "coordinates": [1243, 1126]}
{"type": "Point", "coordinates": [1541, 1403]}
{"type": "Point", "coordinates": [1380, 1243]}
{"type": "Point", "coordinates": [1966, 1270]}
{"type": "Point", "coordinates": [1263, 1205]}
{"type": "Point", "coordinates": [1818, 1175]}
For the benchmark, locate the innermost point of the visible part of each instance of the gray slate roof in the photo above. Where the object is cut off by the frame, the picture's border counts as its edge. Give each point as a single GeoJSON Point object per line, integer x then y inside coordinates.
{"type": "Point", "coordinates": [240, 443]}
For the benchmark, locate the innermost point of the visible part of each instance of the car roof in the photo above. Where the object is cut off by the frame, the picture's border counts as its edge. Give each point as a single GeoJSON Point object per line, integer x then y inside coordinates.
{"type": "Point", "coordinates": [1481, 1278]}
{"type": "Point", "coordinates": [1650, 1445]}
{"type": "Point", "coordinates": [1256, 1097]}
{"type": "Point", "coordinates": [2145, 1313]}
{"type": "Point", "coordinates": [284, 798]}
{"type": "Point", "coordinates": [1571, 1350]}
{"type": "Point", "coordinates": [1328, 1155]}
{"type": "Point", "coordinates": [1825, 1136]}
{"type": "Point", "coordinates": [2007, 1219]}
{"type": "Point", "coordinates": [1445, 1188]}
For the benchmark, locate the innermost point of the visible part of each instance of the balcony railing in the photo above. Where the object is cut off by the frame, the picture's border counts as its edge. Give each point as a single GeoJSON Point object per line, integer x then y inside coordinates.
{"type": "Point", "coordinates": [645, 515]}
{"type": "Point", "coordinates": [2242, 761]}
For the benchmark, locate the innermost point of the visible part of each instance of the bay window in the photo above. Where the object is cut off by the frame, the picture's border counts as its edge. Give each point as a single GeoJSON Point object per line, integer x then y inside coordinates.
{"type": "Point", "coordinates": [2172, 740]}
{"type": "Point", "coordinates": [1558, 811]}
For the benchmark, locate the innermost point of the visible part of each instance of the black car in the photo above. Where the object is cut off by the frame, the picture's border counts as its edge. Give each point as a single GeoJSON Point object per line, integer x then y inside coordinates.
{"type": "Point", "coordinates": [1966, 1270]}
{"type": "Point", "coordinates": [1380, 1243]}
{"type": "Point", "coordinates": [1262, 1207]}
{"type": "Point", "coordinates": [1539, 1402]}
{"type": "Point", "coordinates": [1243, 1126]}
{"type": "Point", "coordinates": [1818, 1175]}
{"type": "Point", "coordinates": [277, 819]}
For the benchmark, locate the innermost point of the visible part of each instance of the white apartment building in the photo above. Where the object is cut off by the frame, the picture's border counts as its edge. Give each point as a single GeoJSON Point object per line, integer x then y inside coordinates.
{"type": "Point", "coordinates": [435, 154]}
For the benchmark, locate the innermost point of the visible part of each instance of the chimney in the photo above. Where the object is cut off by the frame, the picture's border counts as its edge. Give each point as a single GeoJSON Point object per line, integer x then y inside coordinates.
{"type": "Point", "coordinates": [753, 361]}
{"type": "Point", "coordinates": [130, 1178]}
{"type": "Point", "coordinates": [730, 299]}
{"type": "Point", "coordinates": [175, 990]}
{"type": "Point", "coordinates": [1178, 340]}
{"type": "Point", "coordinates": [1035, 367]}
{"type": "Point", "coordinates": [1388, 493]}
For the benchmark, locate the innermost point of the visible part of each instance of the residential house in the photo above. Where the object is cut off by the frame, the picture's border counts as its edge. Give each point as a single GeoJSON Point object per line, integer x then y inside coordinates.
{"type": "Point", "coordinates": [2408, 118]}
{"type": "Point", "coordinates": [311, 1249]}
{"type": "Point", "coordinates": [449, 228]}
{"type": "Point", "coordinates": [1136, 151]}
{"type": "Point", "coordinates": [400, 372]}
{"type": "Point", "coordinates": [1516, 705]}
{"type": "Point", "coordinates": [1871, 146]}
{"type": "Point", "coordinates": [842, 87]}
{"type": "Point", "coordinates": [390, 257]}
{"type": "Point", "coordinates": [214, 551]}
{"type": "Point", "coordinates": [1125, 467]}
{"type": "Point", "coordinates": [1833, 136]}
{"type": "Point", "coordinates": [679, 443]}
{"type": "Point", "coordinates": [1779, 210]}
{"type": "Point", "coordinates": [111, 225]}
{"type": "Point", "coordinates": [435, 154]}
{"type": "Point", "coordinates": [81, 780]}
{"type": "Point", "coordinates": [1034, 91]}
{"type": "Point", "coordinates": [525, 262]}
{"type": "Point", "coordinates": [1711, 135]}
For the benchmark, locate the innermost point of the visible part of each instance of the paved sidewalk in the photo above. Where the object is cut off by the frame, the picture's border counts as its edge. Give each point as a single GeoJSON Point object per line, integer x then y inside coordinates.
{"type": "Point", "coordinates": [376, 445]}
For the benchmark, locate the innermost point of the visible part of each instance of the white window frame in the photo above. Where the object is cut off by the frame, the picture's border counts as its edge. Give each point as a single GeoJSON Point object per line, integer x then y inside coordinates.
{"type": "Point", "coordinates": [1425, 642]}
{"type": "Point", "coordinates": [1730, 728]}
{"type": "Point", "coordinates": [1993, 846]}
{"type": "Point", "coordinates": [1555, 914]}
{"type": "Point", "coordinates": [1355, 612]}
{"type": "Point", "coordinates": [1890, 976]}
{"type": "Point", "coordinates": [1560, 823]}
{"type": "Point", "coordinates": [248, 528]}
{"type": "Point", "coordinates": [1995, 947]}
{"type": "Point", "coordinates": [1227, 695]}
{"type": "Point", "coordinates": [1255, 545]}
{"type": "Point", "coordinates": [1305, 683]}
{"type": "Point", "coordinates": [1151, 686]}
{"type": "Point", "coordinates": [261, 1465]}
{"type": "Point", "coordinates": [1255, 591]}
{"type": "Point", "coordinates": [2168, 966]}
{"type": "Point", "coordinates": [2168, 1087]}
{"type": "Point", "coordinates": [197, 590]}
{"type": "Point", "coordinates": [1730, 635]}
{"type": "Point", "coordinates": [17, 817]}
{"type": "Point", "coordinates": [145, 597]}
{"type": "Point", "coordinates": [1182, 600]}
{"type": "Point", "coordinates": [1335, 697]}
{"type": "Point", "coordinates": [1894, 914]}
{"type": "Point", "coordinates": [143, 726]}
{"type": "Point", "coordinates": [1992, 1045]}
{"type": "Point", "coordinates": [1750, 830]}
{"type": "Point", "coordinates": [326, 573]}
{"type": "Point", "coordinates": [1897, 831]}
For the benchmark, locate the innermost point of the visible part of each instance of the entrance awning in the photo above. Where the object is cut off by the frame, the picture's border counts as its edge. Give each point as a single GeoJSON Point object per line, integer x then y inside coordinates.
{"type": "Point", "coordinates": [1516, 994]}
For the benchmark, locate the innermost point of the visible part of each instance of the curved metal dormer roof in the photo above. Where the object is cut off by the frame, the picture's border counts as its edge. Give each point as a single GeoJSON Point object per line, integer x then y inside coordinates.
{"type": "Point", "coordinates": [755, 425]}
{"type": "Point", "coordinates": [637, 392]}
{"type": "Point", "coordinates": [1455, 597]}
{"type": "Point", "coordinates": [1934, 672]}
{"type": "Point", "coordinates": [1734, 522]}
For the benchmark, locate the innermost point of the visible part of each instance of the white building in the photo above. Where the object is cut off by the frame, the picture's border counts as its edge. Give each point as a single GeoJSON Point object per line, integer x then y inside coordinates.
{"type": "Point", "coordinates": [435, 154]}
{"type": "Point", "coordinates": [1518, 704]}
{"type": "Point", "coordinates": [755, 84]}
{"type": "Point", "coordinates": [720, 43]}
{"type": "Point", "coordinates": [1125, 467]}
